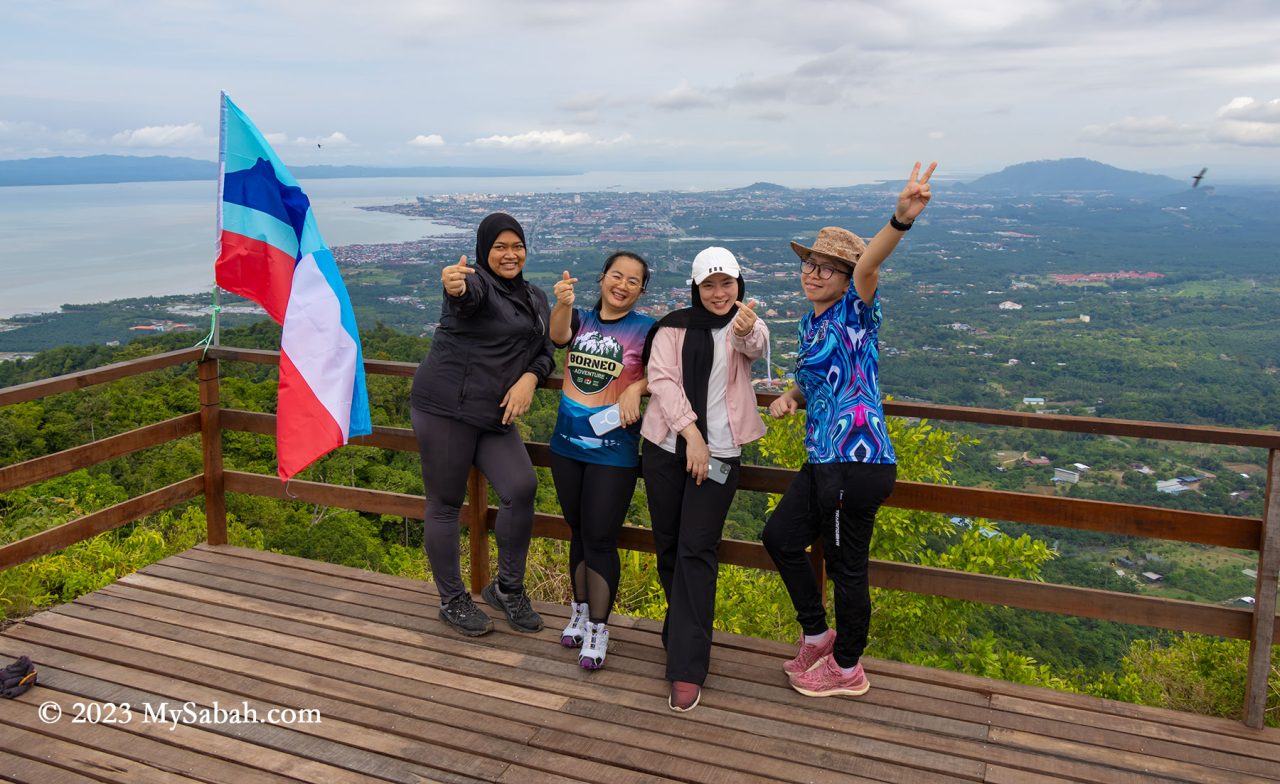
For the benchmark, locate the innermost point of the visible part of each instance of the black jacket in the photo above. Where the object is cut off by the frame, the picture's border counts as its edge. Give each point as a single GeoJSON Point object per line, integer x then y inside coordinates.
{"type": "Point", "coordinates": [487, 339]}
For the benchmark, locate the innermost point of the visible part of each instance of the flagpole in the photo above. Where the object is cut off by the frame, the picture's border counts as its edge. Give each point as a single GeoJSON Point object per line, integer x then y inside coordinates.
{"type": "Point", "coordinates": [222, 170]}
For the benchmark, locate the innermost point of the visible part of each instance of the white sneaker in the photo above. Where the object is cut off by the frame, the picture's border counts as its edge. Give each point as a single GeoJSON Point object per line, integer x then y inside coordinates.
{"type": "Point", "coordinates": [594, 647]}
{"type": "Point", "coordinates": [572, 635]}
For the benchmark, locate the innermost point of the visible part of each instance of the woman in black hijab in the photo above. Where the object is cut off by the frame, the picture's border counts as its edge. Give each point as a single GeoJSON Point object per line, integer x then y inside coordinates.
{"type": "Point", "coordinates": [489, 354]}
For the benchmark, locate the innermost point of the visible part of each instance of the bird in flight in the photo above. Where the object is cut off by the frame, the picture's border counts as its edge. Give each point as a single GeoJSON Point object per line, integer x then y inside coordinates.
{"type": "Point", "coordinates": [1196, 179]}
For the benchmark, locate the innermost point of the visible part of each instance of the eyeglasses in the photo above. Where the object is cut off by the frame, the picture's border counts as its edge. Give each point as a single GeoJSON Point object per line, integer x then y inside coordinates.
{"type": "Point", "coordinates": [618, 279]}
{"type": "Point", "coordinates": [823, 271]}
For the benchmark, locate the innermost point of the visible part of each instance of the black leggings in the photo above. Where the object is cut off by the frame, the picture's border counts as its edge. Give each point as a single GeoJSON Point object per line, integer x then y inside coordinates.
{"type": "Point", "coordinates": [449, 448]}
{"type": "Point", "coordinates": [594, 499]}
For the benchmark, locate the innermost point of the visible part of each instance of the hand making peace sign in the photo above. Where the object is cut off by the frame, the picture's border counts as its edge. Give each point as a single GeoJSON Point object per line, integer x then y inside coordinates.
{"type": "Point", "coordinates": [915, 194]}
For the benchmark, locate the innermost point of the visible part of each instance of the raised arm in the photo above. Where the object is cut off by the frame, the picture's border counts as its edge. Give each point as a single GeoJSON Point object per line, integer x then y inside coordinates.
{"type": "Point", "coordinates": [911, 202]}
{"type": "Point", "coordinates": [562, 313]}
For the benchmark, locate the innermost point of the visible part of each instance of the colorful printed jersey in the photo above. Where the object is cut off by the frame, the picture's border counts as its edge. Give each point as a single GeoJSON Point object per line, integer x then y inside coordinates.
{"type": "Point", "coordinates": [604, 358]}
{"type": "Point", "coordinates": [839, 373]}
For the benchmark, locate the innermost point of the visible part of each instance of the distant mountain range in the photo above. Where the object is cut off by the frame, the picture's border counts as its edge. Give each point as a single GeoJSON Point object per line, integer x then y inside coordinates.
{"type": "Point", "coordinates": [1057, 176]}
{"type": "Point", "coordinates": [96, 169]}
{"type": "Point", "coordinates": [1075, 175]}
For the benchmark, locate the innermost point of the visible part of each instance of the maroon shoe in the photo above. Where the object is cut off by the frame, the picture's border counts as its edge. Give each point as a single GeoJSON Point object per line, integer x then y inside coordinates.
{"type": "Point", "coordinates": [684, 696]}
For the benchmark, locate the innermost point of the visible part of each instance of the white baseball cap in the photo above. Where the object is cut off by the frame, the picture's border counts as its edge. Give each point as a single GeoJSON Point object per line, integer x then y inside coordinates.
{"type": "Point", "coordinates": [713, 260]}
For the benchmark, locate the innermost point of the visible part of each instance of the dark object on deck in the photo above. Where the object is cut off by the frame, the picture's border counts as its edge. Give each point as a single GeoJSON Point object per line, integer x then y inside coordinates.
{"type": "Point", "coordinates": [16, 678]}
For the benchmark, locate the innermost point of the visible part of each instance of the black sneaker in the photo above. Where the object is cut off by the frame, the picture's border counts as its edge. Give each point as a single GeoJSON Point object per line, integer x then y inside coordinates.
{"type": "Point", "coordinates": [519, 612]}
{"type": "Point", "coordinates": [462, 614]}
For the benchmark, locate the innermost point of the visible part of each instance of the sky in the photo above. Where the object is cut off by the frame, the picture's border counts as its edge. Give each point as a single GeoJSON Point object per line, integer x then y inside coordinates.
{"type": "Point", "coordinates": [1164, 86]}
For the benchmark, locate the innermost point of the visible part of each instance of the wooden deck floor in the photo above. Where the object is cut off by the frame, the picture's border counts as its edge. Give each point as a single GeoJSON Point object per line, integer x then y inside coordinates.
{"type": "Point", "coordinates": [403, 699]}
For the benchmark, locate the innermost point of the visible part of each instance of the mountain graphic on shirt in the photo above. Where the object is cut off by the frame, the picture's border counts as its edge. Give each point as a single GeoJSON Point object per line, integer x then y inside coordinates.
{"type": "Point", "coordinates": [594, 362]}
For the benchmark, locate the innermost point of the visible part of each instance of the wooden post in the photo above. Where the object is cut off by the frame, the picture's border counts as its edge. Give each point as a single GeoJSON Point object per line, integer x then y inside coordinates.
{"type": "Point", "coordinates": [215, 502]}
{"type": "Point", "coordinates": [1264, 600]}
{"type": "Point", "coordinates": [478, 529]}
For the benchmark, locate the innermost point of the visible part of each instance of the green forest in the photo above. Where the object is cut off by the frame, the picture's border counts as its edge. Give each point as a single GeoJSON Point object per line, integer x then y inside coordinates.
{"type": "Point", "coordinates": [1140, 665]}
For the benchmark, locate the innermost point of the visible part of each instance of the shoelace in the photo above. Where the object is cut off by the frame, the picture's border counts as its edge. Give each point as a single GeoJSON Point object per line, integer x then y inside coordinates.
{"type": "Point", "coordinates": [521, 604]}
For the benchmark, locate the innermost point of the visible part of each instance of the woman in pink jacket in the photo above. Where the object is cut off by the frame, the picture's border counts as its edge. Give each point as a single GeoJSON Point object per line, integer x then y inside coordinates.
{"type": "Point", "coordinates": [701, 411]}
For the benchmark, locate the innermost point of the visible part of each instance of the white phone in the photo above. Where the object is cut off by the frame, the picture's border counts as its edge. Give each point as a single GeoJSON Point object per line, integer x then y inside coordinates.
{"type": "Point", "coordinates": [604, 421]}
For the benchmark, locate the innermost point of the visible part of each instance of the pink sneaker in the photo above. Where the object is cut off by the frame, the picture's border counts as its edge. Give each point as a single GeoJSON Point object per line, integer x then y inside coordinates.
{"type": "Point", "coordinates": [828, 680]}
{"type": "Point", "coordinates": [810, 653]}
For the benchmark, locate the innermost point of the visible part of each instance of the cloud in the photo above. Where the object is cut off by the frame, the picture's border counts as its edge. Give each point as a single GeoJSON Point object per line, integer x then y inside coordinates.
{"type": "Point", "coordinates": [1143, 132]}
{"type": "Point", "coordinates": [1249, 110]}
{"type": "Point", "coordinates": [546, 140]}
{"type": "Point", "coordinates": [1249, 123]}
{"type": "Point", "coordinates": [160, 136]}
{"type": "Point", "coordinates": [682, 97]}
{"type": "Point", "coordinates": [936, 135]}
{"type": "Point", "coordinates": [335, 139]}
{"type": "Point", "coordinates": [433, 140]}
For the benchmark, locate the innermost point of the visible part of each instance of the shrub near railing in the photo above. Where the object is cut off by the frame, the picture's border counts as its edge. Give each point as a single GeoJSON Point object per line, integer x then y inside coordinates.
{"type": "Point", "coordinates": [1261, 535]}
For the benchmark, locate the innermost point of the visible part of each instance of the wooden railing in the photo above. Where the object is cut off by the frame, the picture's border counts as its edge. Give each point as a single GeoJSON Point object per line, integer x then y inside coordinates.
{"type": "Point", "coordinates": [1262, 535]}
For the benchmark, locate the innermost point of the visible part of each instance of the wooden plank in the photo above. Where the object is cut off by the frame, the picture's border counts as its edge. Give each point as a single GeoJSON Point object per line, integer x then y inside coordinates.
{"type": "Point", "coordinates": [360, 620]}
{"type": "Point", "coordinates": [60, 463]}
{"type": "Point", "coordinates": [75, 671]}
{"type": "Point", "coordinates": [1127, 519]}
{"type": "Point", "coordinates": [1263, 632]}
{"type": "Point", "coordinates": [360, 499]}
{"type": "Point", "coordinates": [399, 438]}
{"type": "Point", "coordinates": [105, 767]}
{"type": "Point", "coordinates": [1142, 766]}
{"type": "Point", "coordinates": [215, 502]}
{"type": "Point", "coordinates": [1062, 599]}
{"type": "Point", "coordinates": [33, 390]}
{"type": "Point", "coordinates": [1163, 431]}
{"type": "Point", "coordinates": [450, 748]}
{"type": "Point", "coordinates": [1146, 733]}
{"type": "Point", "coordinates": [98, 522]}
{"type": "Point", "coordinates": [379, 367]}
{"type": "Point", "coordinates": [28, 771]}
{"type": "Point", "coordinates": [149, 746]}
{"type": "Point", "coordinates": [627, 733]}
{"type": "Point", "coordinates": [172, 678]}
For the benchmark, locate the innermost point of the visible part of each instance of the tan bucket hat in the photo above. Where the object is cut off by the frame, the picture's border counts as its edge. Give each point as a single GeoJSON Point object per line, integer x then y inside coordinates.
{"type": "Point", "coordinates": [834, 243]}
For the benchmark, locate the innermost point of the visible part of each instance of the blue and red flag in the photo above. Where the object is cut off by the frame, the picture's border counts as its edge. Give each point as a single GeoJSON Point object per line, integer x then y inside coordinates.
{"type": "Point", "coordinates": [271, 252]}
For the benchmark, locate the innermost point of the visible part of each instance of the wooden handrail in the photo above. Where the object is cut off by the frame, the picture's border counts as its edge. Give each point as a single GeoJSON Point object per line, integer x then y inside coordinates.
{"type": "Point", "coordinates": [21, 393]}
{"type": "Point", "coordinates": [1260, 626]}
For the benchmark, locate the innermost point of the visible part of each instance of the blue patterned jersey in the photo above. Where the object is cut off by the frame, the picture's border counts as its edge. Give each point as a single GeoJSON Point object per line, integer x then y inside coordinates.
{"type": "Point", "coordinates": [838, 372]}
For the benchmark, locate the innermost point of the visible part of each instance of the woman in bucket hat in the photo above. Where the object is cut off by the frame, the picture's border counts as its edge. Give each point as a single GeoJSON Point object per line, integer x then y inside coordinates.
{"type": "Point", "coordinates": [851, 467]}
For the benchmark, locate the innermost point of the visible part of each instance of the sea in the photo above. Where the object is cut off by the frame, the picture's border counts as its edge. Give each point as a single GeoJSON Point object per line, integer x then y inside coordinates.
{"type": "Point", "coordinates": [80, 244]}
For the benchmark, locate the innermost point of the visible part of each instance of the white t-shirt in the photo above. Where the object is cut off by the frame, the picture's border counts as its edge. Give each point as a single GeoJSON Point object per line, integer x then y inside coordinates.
{"type": "Point", "coordinates": [719, 437]}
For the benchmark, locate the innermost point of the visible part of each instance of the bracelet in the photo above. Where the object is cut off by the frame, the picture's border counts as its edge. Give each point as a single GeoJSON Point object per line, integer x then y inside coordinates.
{"type": "Point", "coordinates": [899, 225]}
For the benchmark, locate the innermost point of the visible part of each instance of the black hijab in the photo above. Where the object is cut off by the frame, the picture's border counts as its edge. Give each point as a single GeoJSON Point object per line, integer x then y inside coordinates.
{"type": "Point", "coordinates": [698, 353]}
{"type": "Point", "coordinates": [486, 235]}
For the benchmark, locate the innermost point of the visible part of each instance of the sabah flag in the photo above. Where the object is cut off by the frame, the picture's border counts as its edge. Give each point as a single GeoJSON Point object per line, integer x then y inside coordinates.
{"type": "Point", "coordinates": [271, 252]}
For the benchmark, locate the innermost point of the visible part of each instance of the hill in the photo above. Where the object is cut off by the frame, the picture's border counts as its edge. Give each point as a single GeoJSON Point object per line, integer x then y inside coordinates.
{"type": "Point", "coordinates": [1075, 175]}
{"type": "Point", "coordinates": [98, 169]}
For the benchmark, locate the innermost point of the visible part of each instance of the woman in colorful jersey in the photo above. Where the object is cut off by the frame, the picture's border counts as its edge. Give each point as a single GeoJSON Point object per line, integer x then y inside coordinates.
{"type": "Point", "coordinates": [701, 411]}
{"type": "Point", "coordinates": [595, 466]}
{"type": "Point", "coordinates": [851, 467]}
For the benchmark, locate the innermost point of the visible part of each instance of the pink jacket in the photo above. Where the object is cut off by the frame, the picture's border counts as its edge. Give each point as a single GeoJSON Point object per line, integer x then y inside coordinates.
{"type": "Point", "coordinates": [669, 410]}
